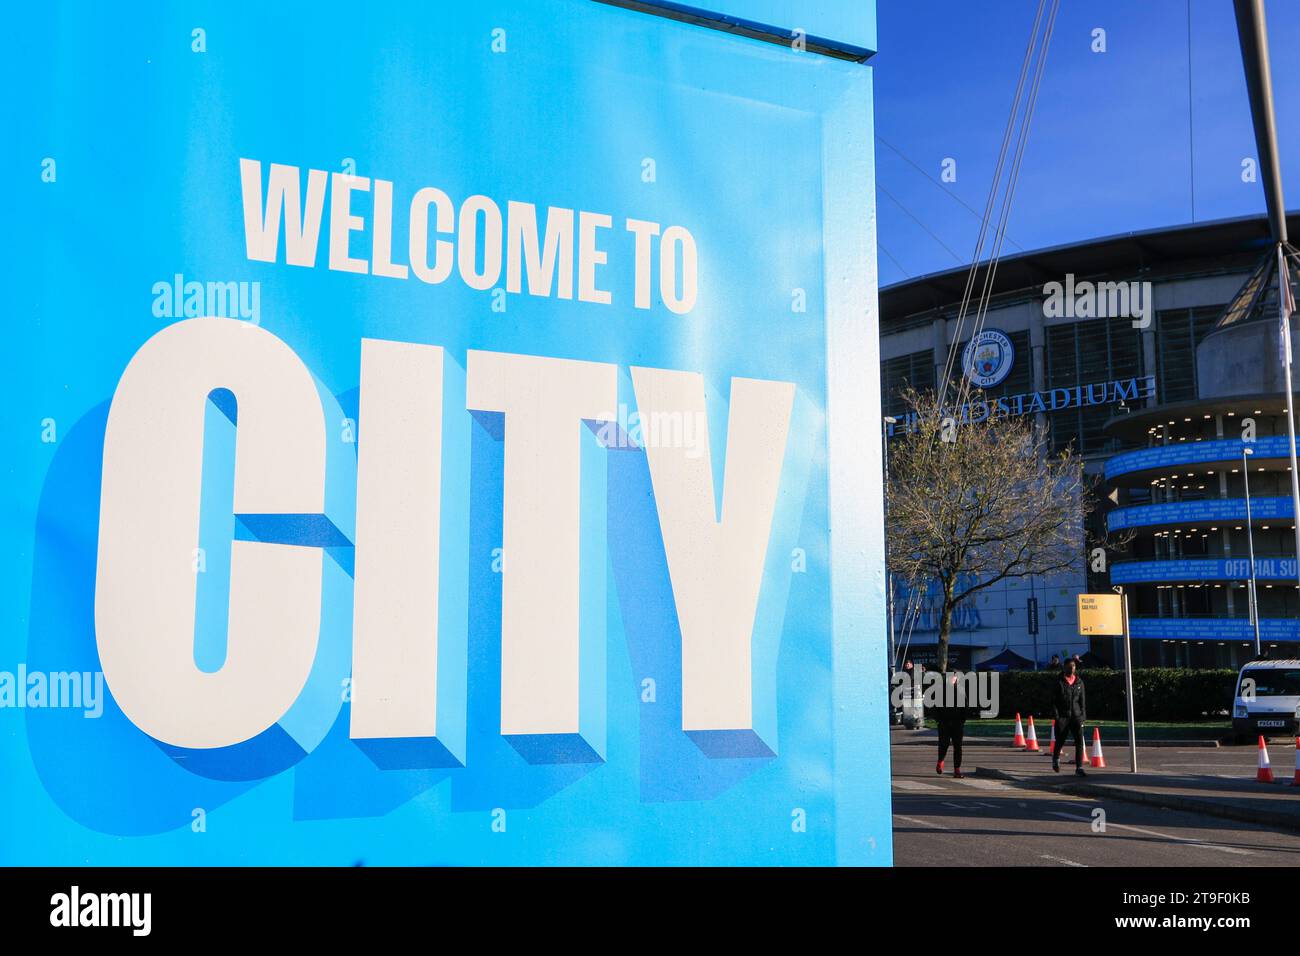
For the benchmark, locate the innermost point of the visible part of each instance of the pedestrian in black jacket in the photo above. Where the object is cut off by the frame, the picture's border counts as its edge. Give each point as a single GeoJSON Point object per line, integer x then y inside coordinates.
{"type": "Point", "coordinates": [951, 716]}
{"type": "Point", "coordinates": [1070, 703]}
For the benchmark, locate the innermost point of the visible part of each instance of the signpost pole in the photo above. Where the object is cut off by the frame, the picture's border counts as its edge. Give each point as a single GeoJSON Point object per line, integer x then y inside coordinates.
{"type": "Point", "coordinates": [1128, 689]}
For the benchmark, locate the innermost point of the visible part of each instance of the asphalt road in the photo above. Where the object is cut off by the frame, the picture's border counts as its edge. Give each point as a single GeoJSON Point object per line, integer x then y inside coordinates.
{"type": "Point", "coordinates": [941, 821]}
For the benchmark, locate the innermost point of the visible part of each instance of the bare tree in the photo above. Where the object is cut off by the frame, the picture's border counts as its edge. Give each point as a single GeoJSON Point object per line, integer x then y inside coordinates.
{"type": "Point", "coordinates": [976, 499]}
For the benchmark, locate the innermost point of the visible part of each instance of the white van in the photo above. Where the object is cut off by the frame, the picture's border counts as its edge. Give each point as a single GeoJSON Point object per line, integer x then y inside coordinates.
{"type": "Point", "coordinates": [1267, 698]}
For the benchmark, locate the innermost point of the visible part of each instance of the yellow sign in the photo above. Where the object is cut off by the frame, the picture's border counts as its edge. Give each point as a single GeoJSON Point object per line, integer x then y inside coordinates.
{"type": "Point", "coordinates": [1101, 614]}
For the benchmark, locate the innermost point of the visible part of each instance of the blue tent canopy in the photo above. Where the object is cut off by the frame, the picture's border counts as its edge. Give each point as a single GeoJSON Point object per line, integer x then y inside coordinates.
{"type": "Point", "coordinates": [1008, 660]}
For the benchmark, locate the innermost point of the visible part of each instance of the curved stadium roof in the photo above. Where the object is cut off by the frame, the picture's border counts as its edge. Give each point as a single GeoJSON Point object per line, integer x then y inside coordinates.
{"type": "Point", "coordinates": [1204, 248]}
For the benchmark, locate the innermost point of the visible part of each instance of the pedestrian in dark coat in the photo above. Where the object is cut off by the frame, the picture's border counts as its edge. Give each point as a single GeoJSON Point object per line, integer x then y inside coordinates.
{"type": "Point", "coordinates": [951, 716]}
{"type": "Point", "coordinates": [1071, 706]}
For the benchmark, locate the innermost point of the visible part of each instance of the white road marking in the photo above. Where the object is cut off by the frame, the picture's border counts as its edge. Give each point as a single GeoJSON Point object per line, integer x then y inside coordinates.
{"type": "Point", "coordinates": [920, 822]}
{"type": "Point", "coordinates": [1209, 752]}
{"type": "Point", "coordinates": [1061, 860]}
{"type": "Point", "coordinates": [981, 784]}
{"type": "Point", "coordinates": [1190, 841]}
{"type": "Point", "coordinates": [915, 785]}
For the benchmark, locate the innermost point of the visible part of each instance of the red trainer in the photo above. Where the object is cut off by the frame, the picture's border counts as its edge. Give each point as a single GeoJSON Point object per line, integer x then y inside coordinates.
{"type": "Point", "coordinates": [958, 774]}
{"type": "Point", "coordinates": [938, 768]}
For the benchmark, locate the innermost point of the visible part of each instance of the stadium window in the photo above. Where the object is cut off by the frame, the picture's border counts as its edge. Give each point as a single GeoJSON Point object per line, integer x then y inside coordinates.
{"type": "Point", "coordinates": [915, 369]}
{"type": "Point", "coordinates": [1083, 353]}
{"type": "Point", "coordinates": [1178, 333]}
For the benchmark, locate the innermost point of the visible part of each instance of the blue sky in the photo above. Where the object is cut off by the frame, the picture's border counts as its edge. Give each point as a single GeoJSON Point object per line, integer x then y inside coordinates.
{"type": "Point", "coordinates": [1109, 149]}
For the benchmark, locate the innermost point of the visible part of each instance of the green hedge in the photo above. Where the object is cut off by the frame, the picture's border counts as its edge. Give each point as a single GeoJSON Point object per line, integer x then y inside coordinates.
{"type": "Point", "coordinates": [1160, 693]}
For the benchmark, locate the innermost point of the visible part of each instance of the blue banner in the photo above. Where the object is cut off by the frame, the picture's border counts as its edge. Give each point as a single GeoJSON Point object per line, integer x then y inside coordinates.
{"type": "Point", "coordinates": [1213, 629]}
{"type": "Point", "coordinates": [420, 447]}
{"type": "Point", "coordinates": [1198, 512]}
{"type": "Point", "coordinates": [1194, 453]}
{"type": "Point", "coordinates": [1203, 569]}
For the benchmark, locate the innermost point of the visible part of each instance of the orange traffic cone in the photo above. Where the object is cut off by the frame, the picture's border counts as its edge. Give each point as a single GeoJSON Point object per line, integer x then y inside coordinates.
{"type": "Point", "coordinates": [1296, 780]}
{"type": "Point", "coordinates": [1265, 772]}
{"type": "Point", "coordinates": [1031, 742]}
{"type": "Point", "coordinates": [1019, 740]}
{"type": "Point", "coordinates": [1051, 744]}
{"type": "Point", "coordinates": [1081, 751]}
{"type": "Point", "coordinates": [1097, 759]}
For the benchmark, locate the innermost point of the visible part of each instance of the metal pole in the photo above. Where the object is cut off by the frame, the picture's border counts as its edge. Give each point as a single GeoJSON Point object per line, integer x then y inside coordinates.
{"type": "Point", "coordinates": [1128, 689]}
{"type": "Point", "coordinates": [1284, 288]}
{"type": "Point", "coordinates": [1250, 549]}
{"type": "Point", "coordinates": [1252, 35]}
{"type": "Point", "coordinates": [889, 579]}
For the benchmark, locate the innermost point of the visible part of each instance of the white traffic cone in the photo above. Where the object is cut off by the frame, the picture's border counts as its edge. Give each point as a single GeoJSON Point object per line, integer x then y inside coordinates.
{"type": "Point", "coordinates": [1097, 759]}
{"type": "Point", "coordinates": [1265, 772]}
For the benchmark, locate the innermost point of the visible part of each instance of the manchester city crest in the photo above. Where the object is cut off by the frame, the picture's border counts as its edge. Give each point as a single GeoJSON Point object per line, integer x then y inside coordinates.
{"type": "Point", "coordinates": [988, 358]}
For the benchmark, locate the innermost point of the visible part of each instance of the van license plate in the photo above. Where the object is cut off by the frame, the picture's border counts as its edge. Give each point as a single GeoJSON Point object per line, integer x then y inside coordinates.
{"type": "Point", "coordinates": [1271, 723]}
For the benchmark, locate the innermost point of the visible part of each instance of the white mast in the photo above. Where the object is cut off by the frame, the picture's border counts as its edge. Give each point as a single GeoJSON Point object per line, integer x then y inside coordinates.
{"type": "Point", "coordinates": [1286, 306]}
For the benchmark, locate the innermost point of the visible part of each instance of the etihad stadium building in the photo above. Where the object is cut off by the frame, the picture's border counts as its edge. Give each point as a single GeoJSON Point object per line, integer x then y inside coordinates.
{"type": "Point", "coordinates": [1156, 357]}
